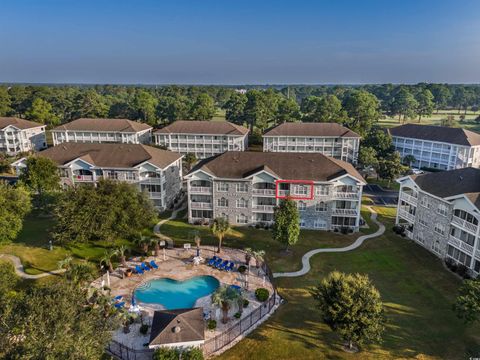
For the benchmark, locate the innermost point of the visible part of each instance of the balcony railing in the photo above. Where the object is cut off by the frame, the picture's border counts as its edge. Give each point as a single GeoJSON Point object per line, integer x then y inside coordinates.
{"type": "Point", "coordinates": [460, 244]}
{"type": "Point", "coordinates": [266, 192]}
{"type": "Point", "coordinates": [347, 212]}
{"type": "Point", "coordinates": [406, 215]}
{"type": "Point", "coordinates": [83, 177]}
{"type": "Point", "coordinates": [409, 198]}
{"type": "Point", "coordinates": [345, 195]}
{"type": "Point", "coordinates": [465, 224]}
{"type": "Point", "coordinates": [201, 205]}
{"type": "Point", "coordinates": [263, 208]}
{"type": "Point", "coordinates": [155, 195]}
{"type": "Point", "coordinates": [201, 189]}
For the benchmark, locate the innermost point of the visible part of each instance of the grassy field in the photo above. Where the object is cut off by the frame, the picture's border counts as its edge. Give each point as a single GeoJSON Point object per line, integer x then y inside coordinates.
{"type": "Point", "coordinates": [415, 287]}
{"type": "Point", "coordinates": [435, 119]}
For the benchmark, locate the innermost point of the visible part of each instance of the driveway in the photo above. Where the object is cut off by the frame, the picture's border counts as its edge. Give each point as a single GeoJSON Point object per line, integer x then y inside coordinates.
{"type": "Point", "coordinates": [380, 196]}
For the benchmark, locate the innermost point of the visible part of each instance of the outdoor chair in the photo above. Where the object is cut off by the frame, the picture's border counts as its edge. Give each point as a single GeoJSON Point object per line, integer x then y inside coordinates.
{"type": "Point", "coordinates": [139, 270]}
{"type": "Point", "coordinates": [153, 265]}
{"type": "Point", "coordinates": [145, 267]}
{"type": "Point", "coordinates": [222, 265]}
{"type": "Point", "coordinates": [212, 260]}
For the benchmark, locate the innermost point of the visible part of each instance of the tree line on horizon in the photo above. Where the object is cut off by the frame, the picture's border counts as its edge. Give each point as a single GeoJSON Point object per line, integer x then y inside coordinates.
{"type": "Point", "coordinates": [356, 107]}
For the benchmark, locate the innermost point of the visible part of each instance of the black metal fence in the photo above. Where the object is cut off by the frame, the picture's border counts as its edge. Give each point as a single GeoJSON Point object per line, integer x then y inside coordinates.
{"type": "Point", "coordinates": [123, 352]}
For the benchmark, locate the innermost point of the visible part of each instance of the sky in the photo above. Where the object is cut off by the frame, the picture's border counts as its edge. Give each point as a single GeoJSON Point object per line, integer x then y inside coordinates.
{"type": "Point", "coordinates": [239, 42]}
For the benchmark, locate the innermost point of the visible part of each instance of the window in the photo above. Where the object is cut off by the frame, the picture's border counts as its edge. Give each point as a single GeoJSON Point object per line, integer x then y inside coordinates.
{"type": "Point", "coordinates": [224, 216]}
{"type": "Point", "coordinates": [476, 266]}
{"type": "Point", "coordinates": [442, 209]}
{"type": "Point", "coordinates": [322, 190]}
{"type": "Point", "coordinates": [242, 219]}
{"type": "Point", "coordinates": [242, 203]}
{"type": "Point", "coordinates": [302, 223]}
{"type": "Point", "coordinates": [222, 202]}
{"type": "Point", "coordinates": [420, 238]}
{"type": "Point", "coordinates": [440, 229]}
{"type": "Point", "coordinates": [459, 256]}
{"type": "Point", "coordinates": [320, 224]}
{"type": "Point", "coordinates": [302, 206]}
{"type": "Point", "coordinates": [301, 190]}
{"type": "Point", "coordinates": [463, 236]}
{"type": "Point", "coordinates": [222, 186]}
{"type": "Point", "coordinates": [242, 187]}
{"type": "Point", "coordinates": [422, 221]}
{"type": "Point", "coordinates": [424, 202]}
{"type": "Point", "coordinates": [320, 207]}
{"type": "Point", "coordinates": [436, 246]}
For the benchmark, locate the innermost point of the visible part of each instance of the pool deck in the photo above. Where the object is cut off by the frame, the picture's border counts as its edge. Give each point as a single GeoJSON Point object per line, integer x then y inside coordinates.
{"type": "Point", "coordinates": [178, 265]}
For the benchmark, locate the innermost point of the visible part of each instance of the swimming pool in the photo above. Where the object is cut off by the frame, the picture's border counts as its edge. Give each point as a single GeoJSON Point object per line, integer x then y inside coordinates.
{"type": "Point", "coordinates": [173, 294]}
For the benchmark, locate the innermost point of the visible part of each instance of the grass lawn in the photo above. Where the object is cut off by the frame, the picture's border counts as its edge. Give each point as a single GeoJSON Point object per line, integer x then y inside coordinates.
{"type": "Point", "coordinates": [415, 287]}
{"type": "Point", "coordinates": [393, 185]}
{"type": "Point", "coordinates": [435, 119]}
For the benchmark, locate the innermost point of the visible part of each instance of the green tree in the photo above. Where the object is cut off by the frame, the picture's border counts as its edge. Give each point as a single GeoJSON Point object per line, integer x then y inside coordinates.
{"type": "Point", "coordinates": [41, 111]}
{"type": "Point", "coordinates": [351, 306]}
{"type": "Point", "coordinates": [219, 228]}
{"type": "Point", "coordinates": [203, 108]}
{"type": "Point", "coordinates": [190, 159]}
{"type": "Point", "coordinates": [286, 227]}
{"type": "Point", "coordinates": [145, 105]}
{"type": "Point", "coordinates": [467, 303]}
{"type": "Point", "coordinates": [80, 273]}
{"type": "Point", "coordinates": [5, 102]}
{"type": "Point", "coordinates": [193, 353]}
{"type": "Point", "coordinates": [326, 108]}
{"type": "Point", "coordinates": [380, 140]}
{"type": "Point", "coordinates": [425, 103]}
{"type": "Point", "coordinates": [391, 167]}
{"type": "Point", "coordinates": [403, 104]}
{"type": "Point", "coordinates": [14, 206]}
{"type": "Point", "coordinates": [225, 297]}
{"type": "Point", "coordinates": [54, 321]}
{"type": "Point", "coordinates": [367, 156]}
{"type": "Point", "coordinates": [441, 95]}
{"type": "Point", "coordinates": [288, 111]}
{"type": "Point", "coordinates": [409, 160]}
{"type": "Point", "coordinates": [89, 104]}
{"type": "Point", "coordinates": [362, 110]}
{"type": "Point", "coordinates": [235, 107]}
{"type": "Point", "coordinates": [172, 108]}
{"type": "Point", "coordinates": [107, 258]}
{"type": "Point", "coordinates": [257, 111]}
{"type": "Point", "coordinates": [164, 353]}
{"type": "Point", "coordinates": [107, 212]}
{"type": "Point", "coordinates": [41, 177]}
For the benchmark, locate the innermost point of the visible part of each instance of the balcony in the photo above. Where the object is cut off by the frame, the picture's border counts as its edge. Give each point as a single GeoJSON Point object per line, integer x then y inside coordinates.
{"type": "Point", "coordinates": [345, 212]}
{"type": "Point", "coordinates": [408, 198]}
{"type": "Point", "coordinates": [263, 208]}
{"type": "Point", "coordinates": [201, 205]}
{"type": "Point", "coordinates": [345, 195]}
{"type": "Point", "coordinates": [200, 189]}
{"type": "Point", "coordinates": [465, 224]}
{"type": "Point", "coordinates": [460, 244]}
{"type": "Point", "coordinates": [406, 215]}
{"type": "Point", "coordinates": [283, 192]}
{"type": "Point", "coordinates": [155, 195]}
{"type": "Point", "coordinates": [83, 178]}
{"type": "Point", "coordinates": [264, 192]}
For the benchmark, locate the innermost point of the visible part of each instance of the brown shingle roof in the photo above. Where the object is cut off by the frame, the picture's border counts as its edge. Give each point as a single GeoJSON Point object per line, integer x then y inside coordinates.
{"type": "Point", "coordinates": [203, 127]}
{"type": "Point", "coordinates": [18, 123]}
{"type": "Point", "coordinates": [111, 125]}
{"type": "Point", "coordinates": [444, 134]}
{"type": "Point", "coordinates": [288, 166]}
{"type": "Point", "coordinates": [311, 129]}
{"type": "Point", "coordinates": [450, 183]}
{"type": "Point", "coordinates": [110, 155]}
{"type": "Point", "coordinates": [177, 326]}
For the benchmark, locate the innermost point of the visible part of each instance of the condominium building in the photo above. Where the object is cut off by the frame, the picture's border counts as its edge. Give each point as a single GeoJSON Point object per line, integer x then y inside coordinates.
{"type": "Point", "coordinates": [157, 172]}
{"type": "Point", "coordinates": [441, 211]}
{"type": "Point", "coordinates": [330, 139]}
{"type": "Point", "coordinates": [202, 138]}
{"type": "Point", "coordinates": [245, 187]}
{"type": "Point", "coordinates": [103, 131]}
{"type": "Point", "coordinates": [437, 147]}
{"type": "Point", "coordinates": [19, 135]}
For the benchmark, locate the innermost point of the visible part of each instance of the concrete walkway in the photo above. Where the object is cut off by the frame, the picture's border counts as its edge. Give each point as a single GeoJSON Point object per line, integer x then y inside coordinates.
{"type": "Point", "coordinates": [156, 228]}
{"type": "Point", "coordinates": [20, 271]}
{"type": "Point", "coordinates": [306, 258]}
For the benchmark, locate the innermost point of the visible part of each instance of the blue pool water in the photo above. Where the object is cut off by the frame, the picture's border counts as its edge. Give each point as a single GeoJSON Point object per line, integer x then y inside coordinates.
{"type": "Point", "coordinates": [173, 294]}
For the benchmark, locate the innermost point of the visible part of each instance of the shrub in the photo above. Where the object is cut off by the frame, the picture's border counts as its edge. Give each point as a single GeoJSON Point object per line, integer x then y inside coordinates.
{"type": "Point", "coordinates": [344, 230]}
{"type": "Point", "coordinates": [242, 269]}
{"type": "Point", "coordinates": [258, 226]}
{"type": "Point", "coordinates": [237, 315]}
{"type": "Point", "coordinates": [166, 354]}
{"type": "Point", "coordinates": [335, 230]}
{"type": "Point", "coordinates": [144, 329]}
{"type": "Point", "coordinates": [262, 294]}
{"type": "Point", "coordinates": [462, 270]}
{"type": "Point", "coordinates": [452, 265]}
{"type": "Point", "coordinates": [211, 324]}
{"type": "Point", "coordinates": [193, 353]}
{"type": "Point", "coordinates": [246, 303]}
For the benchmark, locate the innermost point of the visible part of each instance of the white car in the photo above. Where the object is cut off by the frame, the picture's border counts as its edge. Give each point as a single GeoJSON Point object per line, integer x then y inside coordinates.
{"type": "Point", "coordinates": [417, 171]}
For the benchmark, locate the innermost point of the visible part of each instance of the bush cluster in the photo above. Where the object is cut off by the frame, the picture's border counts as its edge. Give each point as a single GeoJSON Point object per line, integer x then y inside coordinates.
{"type": "Point", "coordinates": [262, 294]}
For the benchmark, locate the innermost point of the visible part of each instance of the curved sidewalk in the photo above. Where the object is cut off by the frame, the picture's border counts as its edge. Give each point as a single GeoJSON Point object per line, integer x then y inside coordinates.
{"type": "Point", "coordinates": [20, 271]}
{"type": "Point", "coordinates": [306, 258]}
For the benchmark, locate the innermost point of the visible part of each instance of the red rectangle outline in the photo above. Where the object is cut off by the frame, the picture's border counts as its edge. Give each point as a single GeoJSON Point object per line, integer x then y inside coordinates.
{"type": "Point", "coordinates": [306, 182]}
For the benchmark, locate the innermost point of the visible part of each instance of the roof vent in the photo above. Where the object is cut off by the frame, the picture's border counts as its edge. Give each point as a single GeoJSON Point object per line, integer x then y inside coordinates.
{"type": "Point", "coordinates": [176, 329]}
{"type": "Point", "coordinates": [461, 178]}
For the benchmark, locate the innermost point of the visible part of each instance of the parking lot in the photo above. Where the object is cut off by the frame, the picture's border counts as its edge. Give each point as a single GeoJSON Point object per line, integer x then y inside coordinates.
{"type": "Point", "coordinates": [381, 196]}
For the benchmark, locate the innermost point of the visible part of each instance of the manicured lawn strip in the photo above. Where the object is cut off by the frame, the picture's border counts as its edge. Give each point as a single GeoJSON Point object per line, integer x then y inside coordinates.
{"type": "Point", "coordinates": [393, 185]}
{"type": "Point", "coordinates": [415, 287]}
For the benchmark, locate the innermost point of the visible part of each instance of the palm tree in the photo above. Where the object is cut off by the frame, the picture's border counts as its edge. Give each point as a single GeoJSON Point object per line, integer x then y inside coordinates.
{"type": "Point", "coordinates": [126, 318]}
{"type": "Point", "coordinates": [107, 259]}
{"type": "Point", "coordinates": [156, 245]}
{"type": "Point", "coordinates": [80, 274]}
{"type": "Point", "coordinates": [122, 251]}
{"type": "Point", "coordinates": [65, 263]}
{"type": "Point", "coordinates": [258, 256]}
{"type": "Point", "coordinates": [189, 160]}
{"type": "Point", "coordinates": [198, 241]}
{"type": "Point", "coordinates": [219, 228]}
{"type": "Point", "coordinates": [143, 243]}
{"type": "Point", "coordinates": [224, 297]}
{"type": "Point", "coordinates": [248, 257]}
